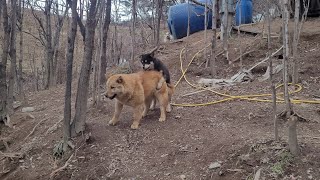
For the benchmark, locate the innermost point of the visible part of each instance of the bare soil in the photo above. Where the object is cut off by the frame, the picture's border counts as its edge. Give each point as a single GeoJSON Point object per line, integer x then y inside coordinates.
{"type": "Point", "coordinates": [236, 134]}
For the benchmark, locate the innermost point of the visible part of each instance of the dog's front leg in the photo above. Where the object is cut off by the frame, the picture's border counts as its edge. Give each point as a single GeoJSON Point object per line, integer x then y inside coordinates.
{"type": "Point", "coordinates": [115, 118]}
{"type": "Point", "coordinates": [137, 115]}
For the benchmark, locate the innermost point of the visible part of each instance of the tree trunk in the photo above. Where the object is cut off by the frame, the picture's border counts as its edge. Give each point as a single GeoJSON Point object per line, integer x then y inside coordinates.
{"type": "Point", "coordinates": [133, 30]}
{"type": "Point", "coordinates": [3, 64]}
{"type": "Point", "coordinates": [70, 53]}
{"type": "Point", "coordinates": [205, 33]}
{"type": "Point", "coordinates": [20, 84]}
{"type": "Point", "coordinates": [78, 124]}
{"type": "Point", "coordinates": [56, 44]}
{"type": "Point", "coordinates": [295, 42]}
{"type": "Point", "coordinates": [49, 49]}
{"type": "Point", "coordinates": [292, 135]}
{"type": "Point", "coordinates": [104, 42]}
{"type": "Point", "coordinates": [286, 57]}
{"type": "Point", "coordinates": [159, 14]}
{"type": "Point", "coordinates": [225, 29]}
{"type": "Point", "coordinates": [13, 55]}
{"type": "Point", "coordinates": [214, 39]}
{"type": "Point", "coordinates": [273, 87]}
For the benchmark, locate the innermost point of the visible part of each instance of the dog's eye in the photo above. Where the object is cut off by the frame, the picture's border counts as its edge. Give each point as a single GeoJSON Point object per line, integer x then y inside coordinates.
{"type": "Point", "coordinates": [112, 87]}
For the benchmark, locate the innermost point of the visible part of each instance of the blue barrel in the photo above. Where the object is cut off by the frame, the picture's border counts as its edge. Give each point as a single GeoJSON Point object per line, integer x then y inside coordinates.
{"type": "Point", "coordinates": [178, 19]}
{"type": "Point", "coordinates": [246, 12]}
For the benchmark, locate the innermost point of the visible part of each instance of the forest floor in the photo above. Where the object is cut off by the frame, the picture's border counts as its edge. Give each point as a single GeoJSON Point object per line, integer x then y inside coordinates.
{"type": "Point", "coordinates": [229, 140]}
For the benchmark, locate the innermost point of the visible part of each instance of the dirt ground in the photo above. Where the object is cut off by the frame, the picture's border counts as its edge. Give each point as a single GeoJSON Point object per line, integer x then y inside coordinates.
{"type": "Point", "coordinates": [229, 140]}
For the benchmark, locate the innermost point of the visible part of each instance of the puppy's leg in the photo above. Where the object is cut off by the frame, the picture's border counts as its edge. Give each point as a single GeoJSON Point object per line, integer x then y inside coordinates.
{"type": "Point", "coordinates": [137, 115]}
{"type": "Point", "coordinates": [115, 118]}
{"type": "Point", "coordinates": [163, 101]}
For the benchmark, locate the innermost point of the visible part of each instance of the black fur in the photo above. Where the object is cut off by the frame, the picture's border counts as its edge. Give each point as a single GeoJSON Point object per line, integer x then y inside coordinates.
{"type": "Point", "coordinates": [148, 59]}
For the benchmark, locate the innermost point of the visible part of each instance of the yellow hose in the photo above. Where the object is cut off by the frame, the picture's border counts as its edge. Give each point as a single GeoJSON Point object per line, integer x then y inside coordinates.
{"type": "Point", "coordinates": [251, 97]}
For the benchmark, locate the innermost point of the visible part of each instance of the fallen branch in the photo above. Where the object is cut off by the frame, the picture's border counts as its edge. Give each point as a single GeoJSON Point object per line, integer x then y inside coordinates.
{"type": "Point", "coordinates": [55, 126]}
{"type": "Point", "coordinates": [34, 128]}
{"type": "Point", "coordinates": [266, 59]}
{"type": "Point", "coordinates": [243, 55]}
{"type": "Point", "coordinates": [311, 137]}
{"type": "Point", "coordinates": [11, 155]}
{"type": "Point", "coordinates": [61, 168]}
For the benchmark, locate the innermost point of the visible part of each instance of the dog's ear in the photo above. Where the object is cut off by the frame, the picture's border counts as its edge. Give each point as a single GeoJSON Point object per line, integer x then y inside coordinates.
{"type": "Point", "coordinates": [107, 76]}
{"type": "Point", "coordinates": [120, 80]}
{"type": "Point", "coordinates": [151, 54]}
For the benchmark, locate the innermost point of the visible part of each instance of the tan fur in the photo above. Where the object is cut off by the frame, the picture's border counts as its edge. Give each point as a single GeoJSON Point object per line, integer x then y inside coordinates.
{"type": "Point", "coordinates": [171, 89]}
{"type": "Point", "coordinates": [138, 90]}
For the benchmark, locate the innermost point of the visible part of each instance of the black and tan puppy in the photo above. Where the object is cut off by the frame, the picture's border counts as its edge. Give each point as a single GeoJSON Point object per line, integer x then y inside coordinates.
{"type": "Point", "coordinates": [149, 62]}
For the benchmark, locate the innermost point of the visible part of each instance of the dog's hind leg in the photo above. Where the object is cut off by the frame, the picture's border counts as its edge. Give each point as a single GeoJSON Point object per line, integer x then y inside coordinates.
{"type": "Point", "coordinates": [147, 107]}
{"type": "Point", "coordinates": [153, 103]}
{"type": "Point", "coordinates": [115, 118]}
{"type": "Point", "coordinates": [163, 101]}
{"type": "Point", "coordinates": [137, 115]}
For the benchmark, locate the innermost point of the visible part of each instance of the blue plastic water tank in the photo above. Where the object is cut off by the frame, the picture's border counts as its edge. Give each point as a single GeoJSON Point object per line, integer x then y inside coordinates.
{"type": "Point", "coordinates": [246, 12]}
{"type": "Point", "coordinates": [178, 19]}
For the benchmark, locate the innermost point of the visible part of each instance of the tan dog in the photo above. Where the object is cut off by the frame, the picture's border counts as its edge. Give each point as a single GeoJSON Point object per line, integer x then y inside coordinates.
{"type": "Point", "coordinates": [137, 90]}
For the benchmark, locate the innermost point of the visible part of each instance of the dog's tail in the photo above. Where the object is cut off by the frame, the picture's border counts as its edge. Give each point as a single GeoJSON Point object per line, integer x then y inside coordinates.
{"type": "Point", "coordinates": [171, 88]}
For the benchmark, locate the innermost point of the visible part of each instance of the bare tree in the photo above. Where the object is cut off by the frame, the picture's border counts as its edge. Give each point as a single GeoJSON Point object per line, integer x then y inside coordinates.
{"type": "Point", "coordinates": [133, 28]}
{"type": "Point", "coordinates": [106, 24]}
{"type": "Point", "coordinates": [159, 7]}
{"type": "Point", "coordinates": [49, 39]}
{"type": "Point", "coordinates": [70, 53]}
{"type": "Point", "coordinates": [214, 38]}
{"type": "Point", "coordinates": [224, 29]}
{"type": "Point", "coordinates": [20, 20]}
{"type": "Point", "coordinates": [273, 87]}
{"type": "Point", "coordinates": [78, 123]}
{"type": "Point", "coordinates": [13, 55]}
{"type": "Point", "coordinates": [3, 65]}
{"type": "Point", "coordinates": [286, 57]}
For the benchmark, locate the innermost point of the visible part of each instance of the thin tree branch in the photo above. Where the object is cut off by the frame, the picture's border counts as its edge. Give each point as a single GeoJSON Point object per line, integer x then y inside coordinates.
{"type": "Point", "coordinates": [37, 38]}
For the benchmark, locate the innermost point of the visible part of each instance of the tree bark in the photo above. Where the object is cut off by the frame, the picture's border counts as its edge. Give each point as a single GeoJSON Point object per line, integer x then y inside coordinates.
{"type": "Point", "coordinates": [273, 87]}
{"type": "Point", "coordinates": [20, 84]}
{"type": "Point", "coordinates": [133, 30]}
{"type": "Point", "coordinates": [78, 124]}
{"type": "Point", "coordinates": [159, 15]}
{"type": "Point", "coordinates": [286, 57]}
{"type": "Point", "coordinates": [225, 29]}
{"type": "Point", "coordinates": [104, 42]}
{"type": "Point", "coordinates": [70, 53]}
{"type": "Point", "coordinates": [3, 64]}
{"type": "Point", "coordinates": [295, 42]}
{"type": "Point", "coordinates": [49, 49]}
{"type": "Point", "coordinates": [13, 55]}
{"type": "Point", "coordinates": [214, 39]}
{"type": "Point", "coordinates": [292, 133]}
{"type": "Point", "coordinates": [56, 43]}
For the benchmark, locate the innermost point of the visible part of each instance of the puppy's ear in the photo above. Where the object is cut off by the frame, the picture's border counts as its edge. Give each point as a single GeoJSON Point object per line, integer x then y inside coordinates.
{"type": "Point", "coordinates": [120, 80]}
{"type": "Point", "coordinates": [151, 54]}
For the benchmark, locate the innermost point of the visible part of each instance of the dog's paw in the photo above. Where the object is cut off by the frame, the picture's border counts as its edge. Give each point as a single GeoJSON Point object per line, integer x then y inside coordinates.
{"type": "Point", "coordinates": [162, 119]}
{"type": "Point", "coordinates": [112, 122]}
{"type": "Point", "coordinates": [134, 126]}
